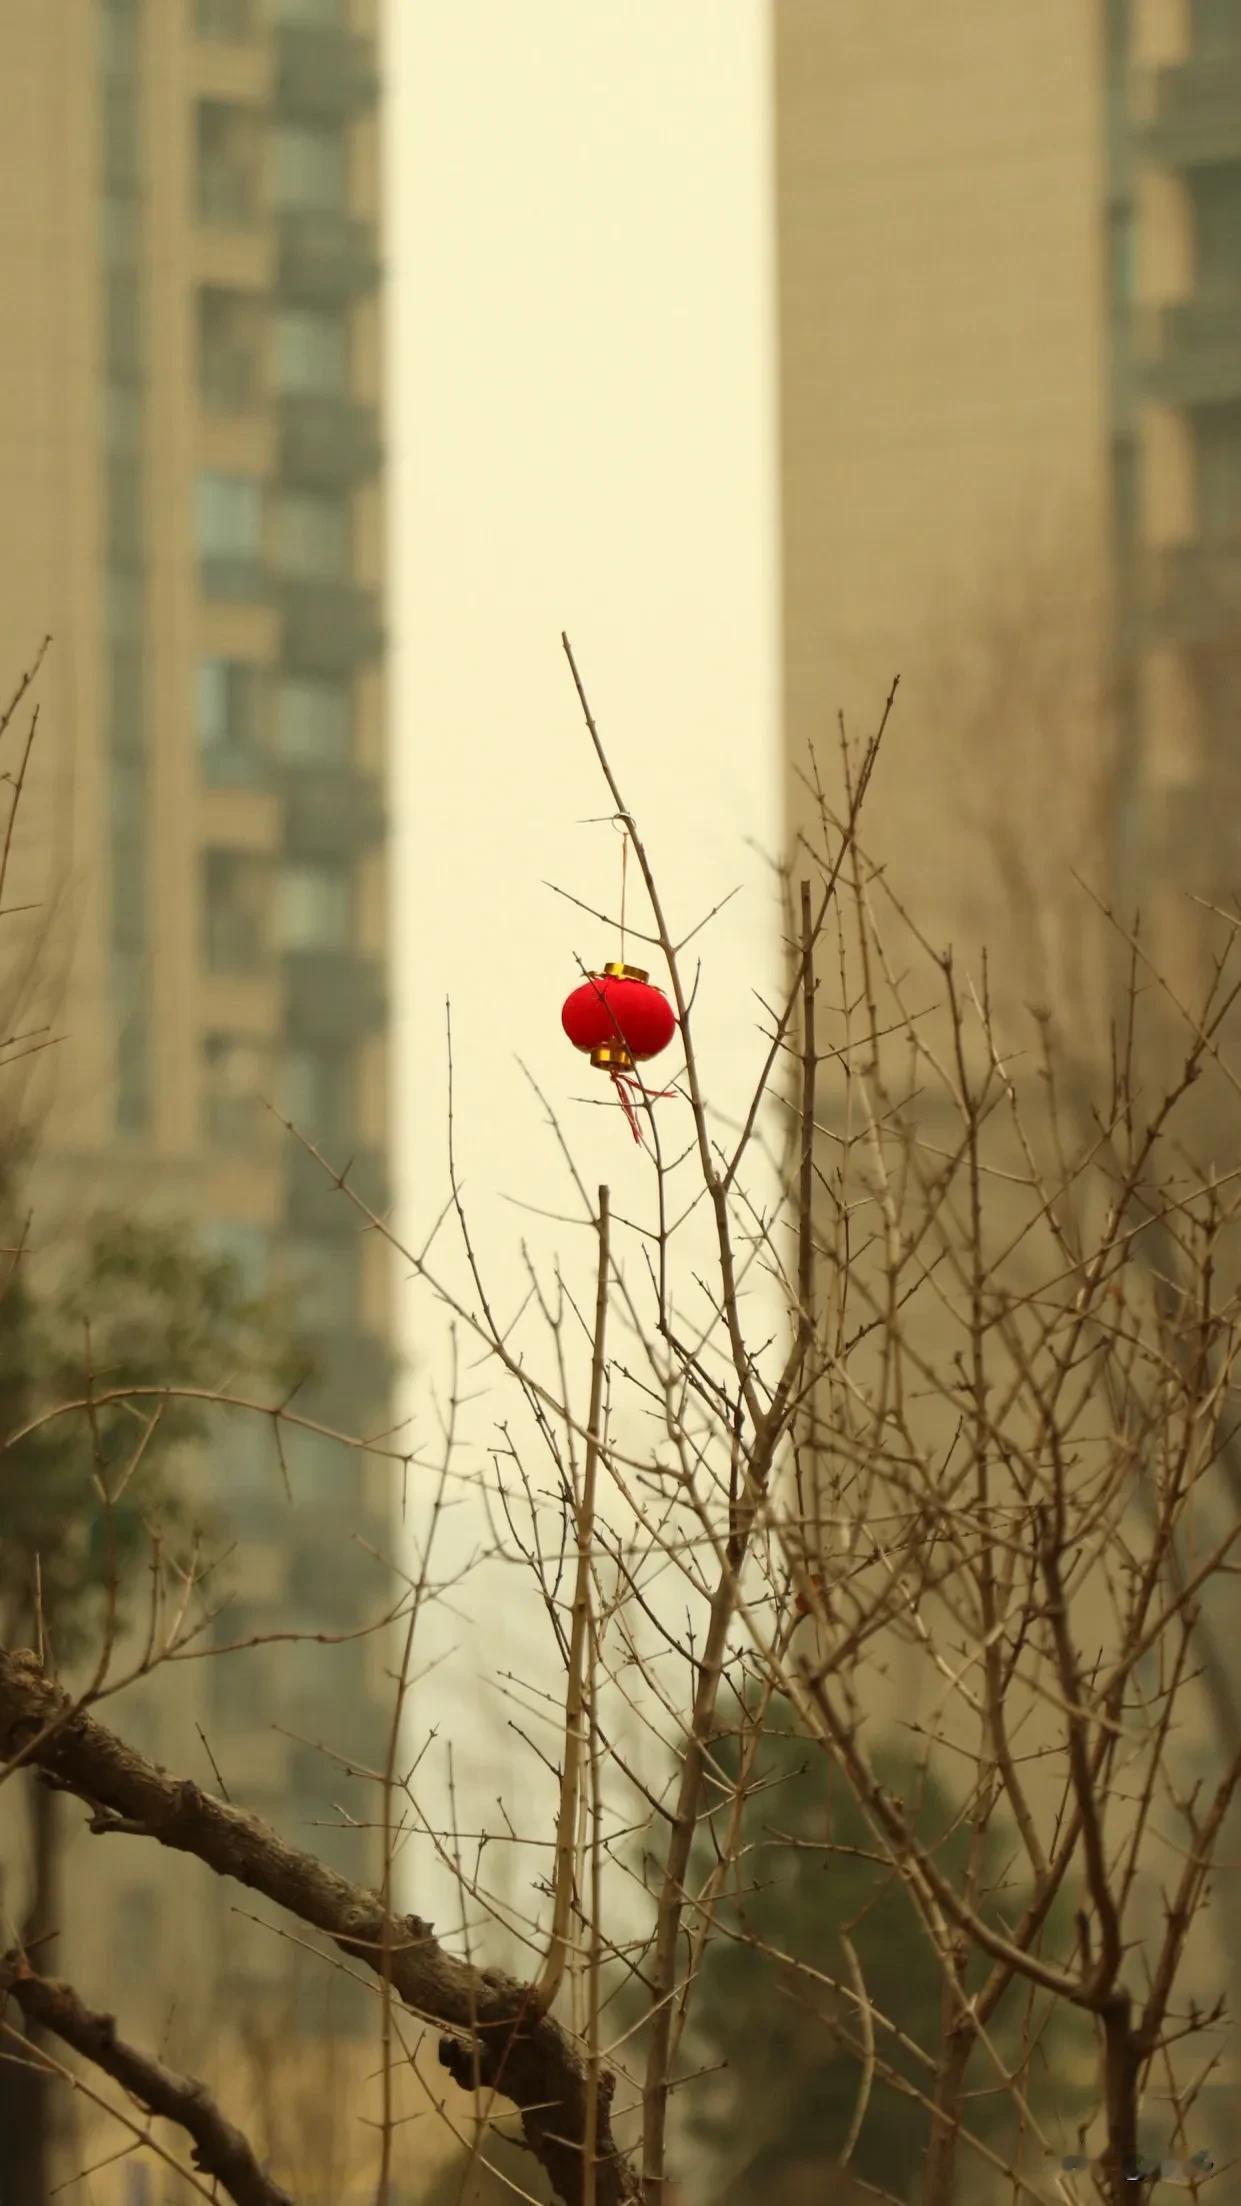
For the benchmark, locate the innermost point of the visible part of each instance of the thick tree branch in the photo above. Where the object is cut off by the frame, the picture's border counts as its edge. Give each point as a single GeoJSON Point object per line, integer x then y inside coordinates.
{"type": "Point", "coordinates": [220, 2150]}
{"type": "Point", "coordinates": [527, 2058]}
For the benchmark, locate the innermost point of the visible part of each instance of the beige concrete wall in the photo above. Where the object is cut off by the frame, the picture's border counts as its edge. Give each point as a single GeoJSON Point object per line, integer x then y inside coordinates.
{"type": "Point", "coordinates": [942, 400]}
{"type": "Point", "coordinates": [51, 516]}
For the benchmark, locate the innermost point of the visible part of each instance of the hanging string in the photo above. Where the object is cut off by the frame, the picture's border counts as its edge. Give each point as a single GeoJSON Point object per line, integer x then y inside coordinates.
{"type": "Point", "coordinates": [622, 1092]}
{"type": "Point", "coordinates": [618, 1082]}
{"type": "Point", "coordinates": [629, 1091]}
{"type": "Point", "coordinates": [626, 1089]}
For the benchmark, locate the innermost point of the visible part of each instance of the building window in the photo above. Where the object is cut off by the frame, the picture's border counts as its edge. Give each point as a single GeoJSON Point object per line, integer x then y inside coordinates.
{"type": "Point", "coordinates": [128, 982]}
{"type": "Point", "coordinates": [124, 508]}
{"type": "Point", "coordinates": [123, 417]}
{"type": "Point", "coordinates": [126, 795]}
{"type": "Point", "coordinates": [228, 164]}
{"type": "Point", "coordinates": [312, 351]}
{"type": "Point", "coordinates": [1216, 195]}
{"type": "Point", "coordinates": [1216, 29]}
{"type": "Point", "coordinates": [309, 170]}
{"type": "Point", "coordinates": [126, 837]}
{"type": "Point", "coordinates": [121, 231]}
{"type": "Point", "coordinates": [236, 1074]}
{"type": "Point", "coordinates": [121, 136]}
{"type": "Point", "coordinates": [138, 1721]}
{"type": "Point", "coordinates": [309, 11]}
{"type": "Point", "coordinates": [1125, 489]}
{"type": "Point", "coordinates": [313, 723]}
{"type": "Point", "coordinates": [323, 1597]}
{"type": "Point", "coordinates": [136, 1923]}
{"type": "Point", "coordinates": [1217, 452]}
{"type": "Point", "coordinates": [322, 1271]}
{"type": "Point", "coordinates": [313, 536]}
{"type": "Point", "coordinates": [320, 1469]}
{"type": "Point", "coordinates": [128, 909]}
{"type": "Point", "coordinates": [123, 316]}
{"type": "Point", "coordinates": [230, 517]}
{"type": "Point", "coordinates": [229, 534]}
{"type": "Point", "coordinates": [236, 910]}
{"type": "Point", "coordinates": [133, 1079]}
{"type": "Point", "coordinates": [123, 605]}
{"type": "Point", "coordinates": [139, 2183]}
{"type": "Point", "coordinates": [245, 1465]}
{"type": "Point", "coordinates": [224, 18]}
{"type": "Point", "coordinates": [1122, 253]}
{"type": "Point", "coordinates": [118, 40]}
{"type": "Point", "coordinates": [1215, 672]}
{"type": "Point", "coordinates": [314, 907]}
{"type": "Point", "coordinates": [318, 1093]}
{"type": "Point", "coordinates": [247, 1248]}
{"type": "Point", "coordinates": [125, 701]}
{"type": "Point", "coordinates": [231, 1676]}
{"type": "Point", "coordinates": [229, 341]}
{"type": "Point", "coordinates": [229, 702]}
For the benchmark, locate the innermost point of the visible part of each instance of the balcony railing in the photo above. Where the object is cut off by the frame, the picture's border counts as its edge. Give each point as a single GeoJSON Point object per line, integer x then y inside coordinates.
{"type": "Point", "coordinates": [333, 997]}
{"type": "Point", "coordinates": [326, 259]}
{"type": "Point", "coordinates": [329, 627]}
{"type": "Point", "coordinates": [327, 443]}
{"type": "Point", "coordinates": [1199, 356]}
{"type": "Point", "coordinates": [1194, 113]}
{"type": "Point", "coordinates": [324, 72]}
{"type": "Point", "coordinates": [313, 1203]}
{"type": "Point", "coordinates": [1198, 589]}
{"type": "Point", "coordinates": [330, 811]}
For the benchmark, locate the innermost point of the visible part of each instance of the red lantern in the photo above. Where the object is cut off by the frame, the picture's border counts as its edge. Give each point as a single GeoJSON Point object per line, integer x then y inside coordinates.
{"type": "Point", "coordinates": [622, 1021]}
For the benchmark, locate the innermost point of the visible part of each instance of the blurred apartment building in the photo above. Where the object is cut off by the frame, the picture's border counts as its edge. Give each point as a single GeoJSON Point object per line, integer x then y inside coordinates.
{"type": "Point", "coordinates": [191, 460]}
{"type": "Point", "coordinates": [1009, 270]}
{"type": "Point", "coordinates": [1010, 390]}
{"type": "Point", "coordinates": [1009, 374]}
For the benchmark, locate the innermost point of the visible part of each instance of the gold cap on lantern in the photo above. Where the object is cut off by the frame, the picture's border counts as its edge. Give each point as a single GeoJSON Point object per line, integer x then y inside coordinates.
{"type": "Point", "coordinates": [625, 972]}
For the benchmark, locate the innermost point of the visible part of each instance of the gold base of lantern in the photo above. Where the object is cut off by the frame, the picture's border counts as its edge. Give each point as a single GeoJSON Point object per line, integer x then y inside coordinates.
{"type": "Point", "coordinates": [612, 1056]}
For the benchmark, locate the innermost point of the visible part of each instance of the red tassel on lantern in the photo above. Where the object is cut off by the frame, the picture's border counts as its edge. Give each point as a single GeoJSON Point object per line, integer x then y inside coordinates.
{"type": "Point", "coordinates": [622, 1021]}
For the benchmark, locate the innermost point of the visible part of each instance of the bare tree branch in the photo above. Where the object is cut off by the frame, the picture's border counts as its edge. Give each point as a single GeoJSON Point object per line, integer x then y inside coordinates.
{"type": "Point", "coordinates": [220, 2149]}
{"type": "Point", "coordinates": [527, 2058]}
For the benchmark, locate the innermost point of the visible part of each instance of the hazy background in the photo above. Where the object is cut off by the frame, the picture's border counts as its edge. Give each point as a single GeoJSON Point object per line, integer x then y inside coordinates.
{"type": "Point", "coordinates": [582, 437]}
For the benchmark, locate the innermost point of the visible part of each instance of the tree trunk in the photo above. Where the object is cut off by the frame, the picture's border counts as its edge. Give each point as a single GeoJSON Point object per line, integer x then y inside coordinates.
{"type": "Point", "coordinates": [939, 2166]}
{"type": "Point", "coordinates": [26, 2104]}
